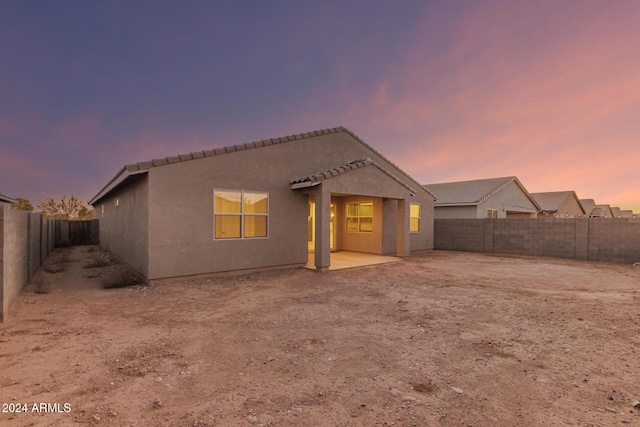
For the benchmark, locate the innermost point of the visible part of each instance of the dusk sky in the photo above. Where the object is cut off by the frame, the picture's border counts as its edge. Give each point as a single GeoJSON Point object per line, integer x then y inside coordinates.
{"type": "Point", "coordinates": [548, 91]}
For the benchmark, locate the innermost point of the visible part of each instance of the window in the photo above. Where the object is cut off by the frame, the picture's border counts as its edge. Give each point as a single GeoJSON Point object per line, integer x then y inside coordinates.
{"type": "Point", "coordinates": [240, 214]}
{"type": "Point", "coordinates": [492, 213]}
{"type": "Point", "coordinates": [360, 217]}
{"type": "Point", "coordinates": [414, 225]}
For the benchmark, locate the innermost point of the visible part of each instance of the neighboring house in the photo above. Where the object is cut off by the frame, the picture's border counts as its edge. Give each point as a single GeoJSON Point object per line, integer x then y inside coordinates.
{"type": "Point", "coordinates": [593, 210]}
{"type": "Point", "coordinates": [626, 213]}
{"type": "Point", "coordinates": [559, 204]}
{"type": "Point", "coordinates": [6, 201]}
{"type": "Point", "coordinates": [588, 205]}
{"type": "Point", "coordinates": [616, 212]}
{"type": "Point", "coordinates": [602, 211]}
{"type": "Point", "coordinates": [481, 198]}
{"type": "Point", "coordinates": [263, 204]}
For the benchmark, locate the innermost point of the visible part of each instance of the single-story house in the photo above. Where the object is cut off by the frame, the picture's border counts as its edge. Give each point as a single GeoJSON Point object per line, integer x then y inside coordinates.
{"type": "Point", "coordinates": [593, 210]}
{"type": "Point", "coordinates": [6, 201]}
{"type": "Point", "coordinates": [626, 213]}
{"type": "Point", "coordinates": [602, 211]}
{"type": "Point", "coordinates": [276, 202]}
{"type": "Point", "coordinates": [483, 198]}
{"type": "Point", "coordinates": [588, 205]}
{"type": "Point", "coordinates": [559, 204]}
{"type": "Point", "coordinates": [616, 212]}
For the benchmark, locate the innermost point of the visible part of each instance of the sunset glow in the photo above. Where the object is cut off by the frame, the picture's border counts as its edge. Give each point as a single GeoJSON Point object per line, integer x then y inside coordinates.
{"type": "Point", "coordinates": [457, 90]}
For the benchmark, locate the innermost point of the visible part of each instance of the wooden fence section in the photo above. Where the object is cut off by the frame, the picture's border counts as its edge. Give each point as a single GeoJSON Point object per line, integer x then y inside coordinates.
{"type": "Point", "coordinates": [76, 232]}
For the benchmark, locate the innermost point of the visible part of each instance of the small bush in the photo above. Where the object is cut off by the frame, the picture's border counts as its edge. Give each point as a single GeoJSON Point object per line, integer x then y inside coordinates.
{"type": "Point", "coordinates": [53, 268]}
{"type": "Point", "coordinates": [122, 276]}
{"type": "Point", "coordinates": [41, 286]}
{"type": "Point", "coordinates": [98, 259]}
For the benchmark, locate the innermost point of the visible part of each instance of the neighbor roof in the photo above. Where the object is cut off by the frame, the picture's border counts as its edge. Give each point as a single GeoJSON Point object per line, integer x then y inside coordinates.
{"type": "Point", "coordinates": [587, 205]}
{"type": "Point", "coordinates": [472, 192]}
{"type": "Point", "coordinates": [317, 178]}
{"type": "Point", "coordinates": [7, 199]}
{"type": "Point", "coordinates": [551, 201]}
{"type": "Point", "coordinates": [142, 167]}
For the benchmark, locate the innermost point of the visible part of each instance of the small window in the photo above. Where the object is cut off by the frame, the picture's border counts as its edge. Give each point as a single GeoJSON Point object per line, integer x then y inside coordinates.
{"type": "Point", "coordinates": [492, 213]}
{"type": "Point", "coordinates": [360, 217]}
{"type": "Point", "coordinates": [414, 225]}
{"type": "Point", "coordinates": [240, 214]}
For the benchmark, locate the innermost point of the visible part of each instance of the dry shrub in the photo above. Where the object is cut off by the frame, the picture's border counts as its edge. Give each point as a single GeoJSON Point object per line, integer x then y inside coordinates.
{"type": "Point", "coordinates": [41, 285]}
{"type": "Point", "coordinates": [121, 276]}
{"type": "Point", "coordinates": [99, 259]}
{"type": "Point", "coordinates": [53, 268]}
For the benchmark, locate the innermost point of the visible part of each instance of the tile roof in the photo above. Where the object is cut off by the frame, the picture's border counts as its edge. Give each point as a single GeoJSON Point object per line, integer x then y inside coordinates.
{"type": "Point", "coordinates": [316, 178]}
{"type": "Point", "coordinates": [551, 201]}
{"type": "Point", "coordinates": [470, 192]}
{"type": "Point", "coordinates": [142, 167]}
{"type": "Point", "coordinates": [587, 205]}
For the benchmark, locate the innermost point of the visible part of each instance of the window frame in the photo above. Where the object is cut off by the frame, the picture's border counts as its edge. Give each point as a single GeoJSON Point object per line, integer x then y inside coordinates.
{"type": "Point", "coordinates": [242, 214]}
{"type": "Point", "coordinates": [358, 217]}
{"type": "Point", "coordinates": [419, 217]}
{"type": "Point", "coordinates": [492, 213]}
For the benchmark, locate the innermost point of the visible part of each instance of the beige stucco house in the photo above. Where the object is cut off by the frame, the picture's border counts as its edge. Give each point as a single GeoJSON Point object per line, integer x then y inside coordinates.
{"type": "Point", "coordinates": [594, 210]}
{"type": "Point", "coordinates": [559, 204]}
{"type": "Point", "coordinates": [481, 198]}
{"type": "Point", "coordinates": [276, 202]}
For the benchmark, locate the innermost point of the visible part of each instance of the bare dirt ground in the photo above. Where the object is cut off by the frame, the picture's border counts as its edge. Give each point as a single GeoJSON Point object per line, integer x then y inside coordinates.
{"type": "Point", "coordinates": [440, 339]}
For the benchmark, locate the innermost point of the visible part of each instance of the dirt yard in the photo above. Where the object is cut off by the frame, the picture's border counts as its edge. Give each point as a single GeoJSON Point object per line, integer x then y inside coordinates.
{"type": "Point", "coordinates": [440, 339]}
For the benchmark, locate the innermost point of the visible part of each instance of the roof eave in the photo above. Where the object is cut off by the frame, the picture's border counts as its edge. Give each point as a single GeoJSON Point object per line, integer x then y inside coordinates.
{"type": "Point", "coordinates": [115, 182]}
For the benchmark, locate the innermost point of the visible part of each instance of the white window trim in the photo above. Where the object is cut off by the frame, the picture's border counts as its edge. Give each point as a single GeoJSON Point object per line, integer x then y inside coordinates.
{"type": "Point", "coordinates": [242, 215]}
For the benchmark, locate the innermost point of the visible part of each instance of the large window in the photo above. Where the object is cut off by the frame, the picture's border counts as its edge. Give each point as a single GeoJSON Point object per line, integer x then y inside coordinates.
{"type": "Point", "coordinates": [414, 225]}
{"type": "Point", "coordinates": [360, 217]}
{"type": "Point", "coordinates": [240, 214]}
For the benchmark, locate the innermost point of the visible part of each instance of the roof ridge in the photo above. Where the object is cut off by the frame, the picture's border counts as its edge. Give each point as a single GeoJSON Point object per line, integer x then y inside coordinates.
{"type": "Point", "coordinates": [229, 149]}
{"type": "Point", "coordinates": [508, 180]}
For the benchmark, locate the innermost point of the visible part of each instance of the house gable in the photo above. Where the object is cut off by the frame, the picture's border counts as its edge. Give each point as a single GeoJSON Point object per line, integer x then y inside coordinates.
{"type": "Point", "coordinates": [143, 167]}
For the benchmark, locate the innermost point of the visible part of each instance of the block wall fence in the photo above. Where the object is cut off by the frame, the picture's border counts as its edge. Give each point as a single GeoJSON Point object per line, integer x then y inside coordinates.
{"type": "Point", "coordinates": [591, 239]}
{"type": "Point", "coordinates": [26, 239]}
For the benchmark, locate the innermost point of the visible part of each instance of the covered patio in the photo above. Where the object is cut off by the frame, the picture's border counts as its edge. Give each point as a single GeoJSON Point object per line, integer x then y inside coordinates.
{"type": "Point", "coordinates": [345, 259]}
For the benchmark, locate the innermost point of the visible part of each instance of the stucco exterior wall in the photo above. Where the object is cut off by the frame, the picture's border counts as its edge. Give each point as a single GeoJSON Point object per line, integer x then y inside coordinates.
{"type": "Point", "coordinates": [180, 210]}
{"type": "Point", "coordinates": [509, 199]}
{"type": "Point", "coordinates": [123, 218]}
{"type": "Point", "coordinates": [442, 212]}
{"type": "Point", "coordinates": [359, 241]}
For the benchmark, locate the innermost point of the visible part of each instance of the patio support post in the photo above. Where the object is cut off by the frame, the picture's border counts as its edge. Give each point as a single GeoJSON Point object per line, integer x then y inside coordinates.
{"type": "Point", "coordinates": [404, 247]}
{"type": "Point", "coordinates": [323, 218]}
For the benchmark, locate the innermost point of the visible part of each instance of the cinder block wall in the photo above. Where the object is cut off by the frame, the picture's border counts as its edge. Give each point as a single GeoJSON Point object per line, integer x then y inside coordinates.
{"type": "Point", "coordinates": [26, 239]}
{"type": "Point", "coordinates": [594, 239]}
{"type": "Point", "coordinates": [614, 240]}
{"type": "Point", "coordinates": [15, 256]}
